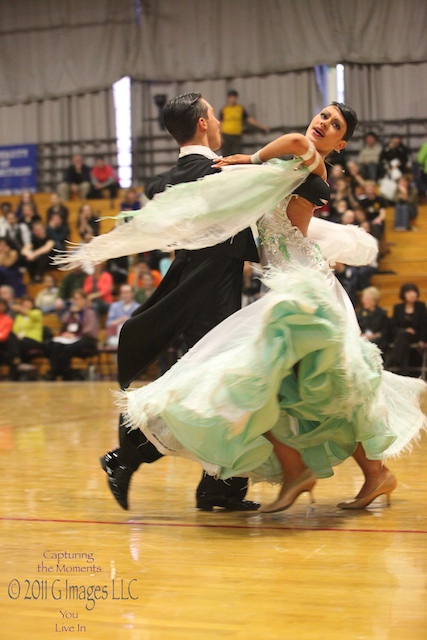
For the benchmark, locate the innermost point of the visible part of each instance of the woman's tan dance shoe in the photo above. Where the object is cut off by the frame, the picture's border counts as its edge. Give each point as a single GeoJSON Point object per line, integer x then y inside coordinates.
{"type": "Point", "coordinates": [290, 492]}
{"type": "Point", "coordinates": [385, 487]}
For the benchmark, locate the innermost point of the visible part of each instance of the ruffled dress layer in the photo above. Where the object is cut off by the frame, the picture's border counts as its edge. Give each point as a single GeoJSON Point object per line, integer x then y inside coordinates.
{"type": "Point", "coordinates": [293, 362]}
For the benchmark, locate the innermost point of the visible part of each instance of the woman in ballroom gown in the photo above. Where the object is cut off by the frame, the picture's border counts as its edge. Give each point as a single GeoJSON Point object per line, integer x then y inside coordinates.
{"type": "Point", "coordinates": [286, 388]}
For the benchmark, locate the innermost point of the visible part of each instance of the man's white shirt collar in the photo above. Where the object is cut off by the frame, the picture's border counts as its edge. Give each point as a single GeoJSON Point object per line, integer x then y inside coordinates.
{"type": "Point", "coordinates": [198, 149]}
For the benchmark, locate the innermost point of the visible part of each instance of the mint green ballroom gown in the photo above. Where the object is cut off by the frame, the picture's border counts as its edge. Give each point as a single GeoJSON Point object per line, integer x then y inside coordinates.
{"type": "Point", "coordinates": [293, 362]}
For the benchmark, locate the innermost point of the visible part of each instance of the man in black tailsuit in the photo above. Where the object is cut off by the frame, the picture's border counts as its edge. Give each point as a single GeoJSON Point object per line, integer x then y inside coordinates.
{"type": "Point", "coordinates": [201, 289]}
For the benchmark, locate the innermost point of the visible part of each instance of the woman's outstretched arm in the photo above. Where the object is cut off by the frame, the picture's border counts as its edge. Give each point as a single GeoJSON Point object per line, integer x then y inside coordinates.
{"type": "Point", "coordinates": [295, 144]}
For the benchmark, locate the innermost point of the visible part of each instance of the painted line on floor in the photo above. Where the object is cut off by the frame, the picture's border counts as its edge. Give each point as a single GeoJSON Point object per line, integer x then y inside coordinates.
{"type": "Point", "coordinates": [196, 525]}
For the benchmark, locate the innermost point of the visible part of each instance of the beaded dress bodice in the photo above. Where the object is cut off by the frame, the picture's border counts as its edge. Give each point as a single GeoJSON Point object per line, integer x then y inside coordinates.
{"type": "Point", "coordinates": [283, 245]}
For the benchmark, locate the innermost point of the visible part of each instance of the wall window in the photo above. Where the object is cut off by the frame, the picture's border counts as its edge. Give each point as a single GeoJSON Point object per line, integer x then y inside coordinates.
{"type": "Point", "coordinates": [121, 92]}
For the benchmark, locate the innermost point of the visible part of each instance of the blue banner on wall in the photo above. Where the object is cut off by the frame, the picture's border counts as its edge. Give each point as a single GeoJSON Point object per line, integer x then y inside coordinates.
{"type": "Point", "coordinates": [18, 169]}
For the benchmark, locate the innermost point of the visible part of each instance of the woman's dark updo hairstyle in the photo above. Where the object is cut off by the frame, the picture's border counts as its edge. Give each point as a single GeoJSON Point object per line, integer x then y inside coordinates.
{"type": "Point", "coordinates": [408, 286]}
{"type": "Point", "coordinates": [349, 116]}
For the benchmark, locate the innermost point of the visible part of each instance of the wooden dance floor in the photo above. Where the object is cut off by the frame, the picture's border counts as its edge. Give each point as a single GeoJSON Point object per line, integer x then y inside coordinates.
{"type": "Point", "coordinates": [72, 562]}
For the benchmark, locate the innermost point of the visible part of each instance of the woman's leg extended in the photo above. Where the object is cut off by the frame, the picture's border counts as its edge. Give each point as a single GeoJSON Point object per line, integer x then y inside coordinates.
{"type": "Point", "coordinates": [297, 477]}
{"type": "Point", "coordinates": [290, 459]}
{"type": "Point", "coordinates": [373, 470]}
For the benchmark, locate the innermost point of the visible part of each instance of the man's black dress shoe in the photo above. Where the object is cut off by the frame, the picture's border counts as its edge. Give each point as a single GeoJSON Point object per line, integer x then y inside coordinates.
{"type": "Point", "coordinates": [119, 476]}
{"type": "Point", "coordinates": [207, 502]}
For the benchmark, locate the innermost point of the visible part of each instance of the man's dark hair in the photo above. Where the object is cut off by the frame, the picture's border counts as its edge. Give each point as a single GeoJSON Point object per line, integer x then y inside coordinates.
{"type": "Point", "coordinates": [181, 115]}
{"type": "Point", "coordinates": [349, 116]}
{"type": "Point", "coordinates": [233, 92]}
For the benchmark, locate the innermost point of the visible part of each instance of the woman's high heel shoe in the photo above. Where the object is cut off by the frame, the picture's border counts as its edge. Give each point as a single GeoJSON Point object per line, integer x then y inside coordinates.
{"type": "Point", "coordinates": [290, 492]}
{"type": "Point", "coordinates": [385, 487]}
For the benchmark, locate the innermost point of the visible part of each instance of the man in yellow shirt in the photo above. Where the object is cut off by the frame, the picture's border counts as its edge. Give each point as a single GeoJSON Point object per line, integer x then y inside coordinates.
{"type": "Point", "coordinates": [233, 117]}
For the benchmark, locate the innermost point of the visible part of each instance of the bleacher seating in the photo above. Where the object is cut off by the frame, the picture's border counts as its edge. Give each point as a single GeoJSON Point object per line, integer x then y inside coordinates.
{"type": "Point", "coordinates": [406, 261]}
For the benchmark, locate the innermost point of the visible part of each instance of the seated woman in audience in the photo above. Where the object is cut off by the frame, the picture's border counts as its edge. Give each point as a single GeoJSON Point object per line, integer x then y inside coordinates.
{"type": "Point", "coordinates": [28, 328]}
{"type": "Point", "coordinates": [372, 319]}
{"type": "Point", "coordinates": [38, 255]}
{"type": "Point", "coordinates": [88, 225]}
{"type": "Point", "coordinates": [78, 337]}
{"type": "Point", "coordinates": [409, 330]}
{"type": "Point", "coordinates": [46, 298]}
{"type": "Point", "coordinates": [26, 198]}
{"type": "Point", "coordinates": [29, 216]}
{"type": "Point", "coordinates": [9, 267]}
{"type": "Point", "coordinates": [57, 206]}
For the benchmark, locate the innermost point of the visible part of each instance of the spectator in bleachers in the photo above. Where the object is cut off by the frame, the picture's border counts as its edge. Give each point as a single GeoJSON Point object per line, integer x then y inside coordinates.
{"type": "Point", "coordinates": [10, 273]}
{"type": "Point", "coordinates": [76, 183]}
{"type": "Point", "coordinates": [38, 255]}
{"type": "Point", "coordinates": [57, 207]}
{"type": "Point", "coordinates": [5, 207]}
{"type": "Point", "coordinates": [406, 198]}
{"type": "Point", "coordinates": [338, 210]}
{"type": "Point", "coordinates": [119, 312]}
{"type": "Point", "coordinates": [348, 217]}
{"type": "Point", "coordinates": [374, 207]}
{"type": "Point", "coordinates": [409, 329]}
{"type": "Point", "coordinates": [70, 283]}
{"type": "Point", "coordinates": [28, 328]}
{"type": "Point", "coordinates": [356, 181]}
{"type": "Point", "coordinates": [130, 201]}
{"type": "Point", "coordinates": [146, 288]}
{"type": "Point", "coordinates": [234, 117]}
{"type": "Point", "coordinates": [78, 337]}
{"type": "Point", "coordinates": [372, 319]}
{"type": "Point", "coordinates": [136, 275]}
{"type": "Point", "coordinates": [88, 225]}
{"type": "Point", "coordinates": [103, 179]}
{"type": "Point", "coordinates": [98, 287]}
{"type": "Point", "coordinates": [369, 157]}
{"type": "Point", "coordinates": [17, 233]}
{"type": "Point", "coordinates": [336, 172]}
{"type": "Point", "coordinates": [342, 192]}
{"type": "Point", "coordinates": [46, 297]}
{"type": "Point", "coordinates": [26, 198]}
{"type": "Point", "coordinates": [57, 231]}
{"type": "Point", "coordinates": [7, 293]}
{"type": "Point", "coordinates": [394, 155]}
{"type": "Point", "coordinates": [29, 216]}
{"type": "Point", "coordinates": [9, 353]}
{"type": "Point", "coordinates": [360, 217]}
